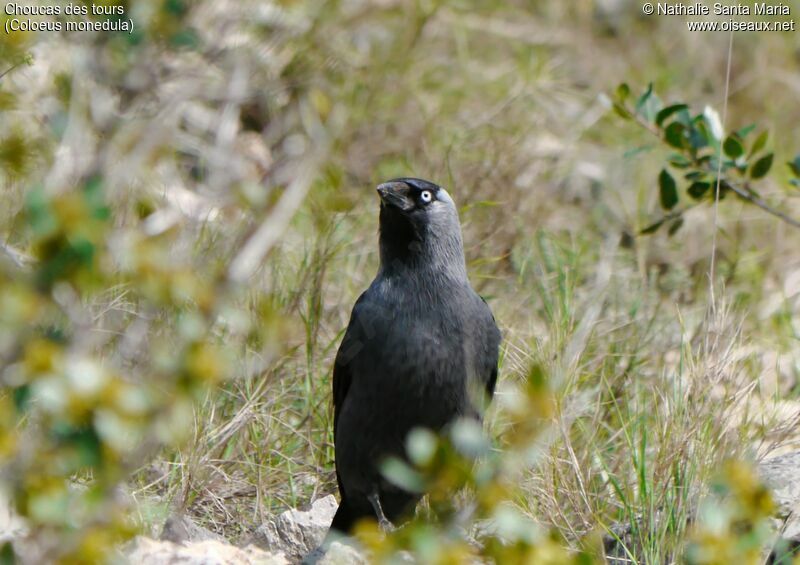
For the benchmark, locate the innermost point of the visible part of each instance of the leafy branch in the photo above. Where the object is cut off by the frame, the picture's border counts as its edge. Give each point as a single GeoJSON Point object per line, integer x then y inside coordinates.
{"type": "Point", "coordinates": [703, 156]}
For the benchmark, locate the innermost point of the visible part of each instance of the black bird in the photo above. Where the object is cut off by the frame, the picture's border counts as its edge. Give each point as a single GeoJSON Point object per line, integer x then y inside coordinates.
{"type": "Point", "coordinates": [419, 343]}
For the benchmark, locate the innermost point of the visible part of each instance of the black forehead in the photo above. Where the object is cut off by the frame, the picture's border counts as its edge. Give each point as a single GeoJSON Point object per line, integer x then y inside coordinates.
{"type": "Point", "coordinates": [419, 184]}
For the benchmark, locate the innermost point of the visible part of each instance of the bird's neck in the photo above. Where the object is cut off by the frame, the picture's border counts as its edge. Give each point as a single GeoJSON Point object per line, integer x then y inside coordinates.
{"type": "Point", "coordinates": [405, 252]}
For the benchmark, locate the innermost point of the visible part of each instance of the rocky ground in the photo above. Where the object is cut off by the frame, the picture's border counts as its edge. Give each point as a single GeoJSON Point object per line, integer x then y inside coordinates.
{"type": "Point", "coordinates": [295, 535]}
{"type": "Point", "coordinates": [291, 537]}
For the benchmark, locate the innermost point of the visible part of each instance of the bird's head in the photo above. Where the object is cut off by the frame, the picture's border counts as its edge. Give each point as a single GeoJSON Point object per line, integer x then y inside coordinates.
{"type": "Point", "coordinates": [419, 226]}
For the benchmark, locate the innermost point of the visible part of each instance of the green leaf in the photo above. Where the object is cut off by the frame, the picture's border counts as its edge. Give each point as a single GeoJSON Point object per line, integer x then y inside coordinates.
{"type": "Point", "coordinates": [667, 190]}
{"type": "Point", "coordinates": [50, 506]}
{"type": "Point", "coordinates": [185, 38]}
{"type": "Point", "coordinates": [653, 228]}
{"type": "Point", "coordinates": [648, 104]}
{"type": "Point", "coordinates": [733, 147]}
{"type": "Point", "coordinates": [622, 111]}
{"type": "Point", "coordinates": [21, 395]}
{"type": "Point", "coordinates": [795, 183]}
{"type": "Point", "coordinates": [759, 143]}
{"type": "Point", "coordinates": [699, 135]}
{"type": "Point", "coordinates": [16, 152]}
{"type": "Point", "coordinates": [675, 226]}
{"type": "Point", "coordinates": [630, 153]}
{"type": "Point", "coordinates": [684, 117]}
{"type": "Point", "coordinates": [645, 95]}
{"type": "Point", "coordinates": [698, 189]}
{"type": "Point", "coordinates": [421, 446]}
{"type": "Point", "coordinates": [468, 438]}
{"type": "Point", "coordinates": [84, 441]}
{"type": "Point", "coordinates": [176, 7]}
{"type": "Point", "coordinates": [668, 111]}
{"type": "Point", "coordinates": [679, 161]}
{"type": "Point", "coordinates": [795, 166]}
{"type": "Point", "coordinates": [674, 135]}
{"type": "Point", "coordinates": [94, 193]}
{"type": "Point", "coordinates": [40, 215]}
{"type": "Point", "coordinates": [623, 91]}
{"type": "Point", "coordinates": [7, 554]}
{"type": "Point", "coordinates": [401, 474]}
{"type": "Point", "coordinates": [745, 131]}
{"type": "Point", "coordinates": [762, 166]}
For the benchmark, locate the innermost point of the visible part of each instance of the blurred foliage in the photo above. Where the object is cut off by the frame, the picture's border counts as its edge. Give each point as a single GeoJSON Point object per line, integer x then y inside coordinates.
{"type": "Point", "coordinates": [109, 331]}
{"type": "Point", "coordinates": [733, 524]}
{"type": "Point", "coordinates": [464, 461]}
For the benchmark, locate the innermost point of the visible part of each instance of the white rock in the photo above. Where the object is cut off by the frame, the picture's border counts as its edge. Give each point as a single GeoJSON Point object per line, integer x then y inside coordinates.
{"type": "Point", "coordinates": [782, 475]}
{"type": "Point", "coordinates": [209, 552]}
{"type": "Point", "coordinates": [295, 532]}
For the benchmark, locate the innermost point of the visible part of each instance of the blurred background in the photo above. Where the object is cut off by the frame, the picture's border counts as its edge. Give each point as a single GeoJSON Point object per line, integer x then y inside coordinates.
{"type": "Point", "coordinates": [188, 214]}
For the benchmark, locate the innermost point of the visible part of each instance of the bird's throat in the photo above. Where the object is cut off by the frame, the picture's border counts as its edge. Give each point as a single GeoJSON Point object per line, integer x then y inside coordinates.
{"type": "Point", "coordinates": [408, 249]}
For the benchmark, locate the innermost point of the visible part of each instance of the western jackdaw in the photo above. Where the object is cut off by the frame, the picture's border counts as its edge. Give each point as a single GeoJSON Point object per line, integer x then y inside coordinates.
{"type": "Point", "coordinates": [419, 342]}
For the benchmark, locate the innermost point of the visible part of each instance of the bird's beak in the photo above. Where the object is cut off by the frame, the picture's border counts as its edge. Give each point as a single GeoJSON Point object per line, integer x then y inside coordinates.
{"type": "Point", "coordinates": [395, 193]}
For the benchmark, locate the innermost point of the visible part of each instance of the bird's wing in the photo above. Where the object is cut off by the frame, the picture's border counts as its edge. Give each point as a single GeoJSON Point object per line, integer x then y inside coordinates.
{"type": "Point", "coordinates": [490, 384]}
{"type": "Point", "coordinates": [341, 384]}
{"type": "Point", "coordinates": [493, 349]}
{"type": "Point", "coordinates": [352, 342]}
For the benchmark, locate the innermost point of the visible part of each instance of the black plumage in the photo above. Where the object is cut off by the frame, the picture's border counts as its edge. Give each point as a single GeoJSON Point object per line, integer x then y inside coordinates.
{"type": "Point", "coordinates": [419, 343]}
